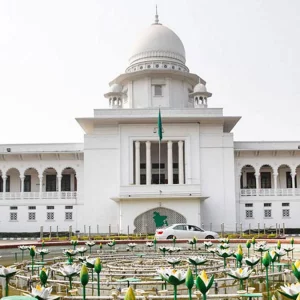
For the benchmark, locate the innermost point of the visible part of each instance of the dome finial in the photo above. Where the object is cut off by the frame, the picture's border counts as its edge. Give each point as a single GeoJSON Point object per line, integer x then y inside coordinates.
{"type": "Point", "coordinates": [156, 17]}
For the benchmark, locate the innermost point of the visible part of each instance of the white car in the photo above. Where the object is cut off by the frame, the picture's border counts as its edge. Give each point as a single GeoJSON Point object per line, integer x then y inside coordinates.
{"type": "Point", "coordinates": [184, 231]}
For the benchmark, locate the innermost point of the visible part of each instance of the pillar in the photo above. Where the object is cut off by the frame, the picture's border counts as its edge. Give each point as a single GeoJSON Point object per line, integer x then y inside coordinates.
{"type": "Point", "coordinates": [137, 163]}
{"type": "Point", "coordinates": [148, 163]}
{"type": "Point", "coordinates": [22, 186]}
{"type": "Point", "coordinates": [41, 186]}
{"type": "Point", "coordinates": [59, 186]}
{"type": "Point", "coordinates": [4, 185]}
{"type": "Point", "coordinates": [293, 174]}
{"type": "Point", "coordinates": [275, 175]}
{"type": "Point", "coordinates": [257, 183]}
{"type": "Point", "coordinates": [180, 162]}
{"type": "Point", "coordinates": [170, 162]}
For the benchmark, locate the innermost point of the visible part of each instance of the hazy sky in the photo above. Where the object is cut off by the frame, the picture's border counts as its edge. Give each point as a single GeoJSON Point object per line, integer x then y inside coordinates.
{"type": "Point", "coordinates": [57, 57]}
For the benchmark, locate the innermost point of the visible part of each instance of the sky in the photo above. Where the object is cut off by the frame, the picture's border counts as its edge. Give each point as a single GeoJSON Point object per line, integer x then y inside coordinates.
{"type": "Point", "coordinates": [58, 56]}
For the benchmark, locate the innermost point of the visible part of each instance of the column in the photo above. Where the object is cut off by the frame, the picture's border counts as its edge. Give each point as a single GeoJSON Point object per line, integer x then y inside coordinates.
{"type": "Point", "coordinates": [22, 186]}
{"type": "Point", "coordinates": [293, 174]}
{"type": "Point", "coordinates": [148, 163]}
{"type": "Point", "coordinates": [137, 163]}
{"type": "Point", "coordinates": [59, 186]}
{"type": "Point", "coordinates": [257, 183]}
{"type": "Point", "coordinates": [170, 162]}
{"type": "Point", "coordinates": [180, 162]}
{"type": "Point", "coordinates": [275, 175]}
{"type": "Point", "coordinates": [4, 186]}
{"type": "Point", "coordinates": [41, 186]}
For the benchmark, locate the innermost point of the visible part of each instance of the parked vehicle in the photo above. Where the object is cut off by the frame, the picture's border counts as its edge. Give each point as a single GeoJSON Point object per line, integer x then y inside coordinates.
{"type": "Point", "coordinates": [184, 231]}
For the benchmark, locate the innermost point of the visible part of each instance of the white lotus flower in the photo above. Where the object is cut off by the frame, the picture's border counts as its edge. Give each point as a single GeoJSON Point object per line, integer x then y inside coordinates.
{"type": "Point", "coordinates": [131, 245]}
{"type": "Point", "coordinates": [4, 272]}
{"type": "Point", "coordinates": [149, 244]}
{"type": "Point", "coordinates": [81, 249]}
{"type": "Point", "coordinates": [173, 249]}
{"type": "Point", "coordinates": [225, 252]}
{"type": "Point", "coordinates": [224, 240]}
{"type": "Point", "coordinates": [288, 248]}
{"type": "Point", "coordinates": [291, 290]}
{"type": "Point", "coordinates": [173, 260]}
{"type": "Point", "coordinates": [70, 252]}
{"type": "Point", "coordinates": [212, 250]}
{"type": "Point", "coordinates": [70, 270]}
{"type": "Point", "coordinates": [208, 244]}
{"type": "Point", "coordinates": [240, 273]}
{"type": "Point", "coordinates": [197, 260]}
{"type": "Point", "coordinates": [261, 247]}
{"type": "Point", "coordinates": [23, 247]}
{"type": "Point", "coordinates": [252, 260]}
{"type": "Point", "coordinates": [41, 292]}
{"type": "Point", "coordinates": [90, 262]}
{"type": "Point", "coordinates": [74, 242]}
{"type": "Point", "coordinates": [174, 277]}
{"type": "Point", "coordinates": [42, 251]}
{"type": "Point", "coordinates": [224, 246]}
{"type": "Point", "coordinates": [90, 243]}
{"type": "Point", "coordinates": [280, 252]}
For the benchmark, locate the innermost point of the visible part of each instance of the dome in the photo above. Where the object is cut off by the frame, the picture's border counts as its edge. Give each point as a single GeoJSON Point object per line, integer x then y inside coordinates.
{"type": "Point", "coordinates": [158, 42]}
{"type": "Point", "coordinates": [200, 88]}
{"type": "Point", "coordinates": [115, 88]}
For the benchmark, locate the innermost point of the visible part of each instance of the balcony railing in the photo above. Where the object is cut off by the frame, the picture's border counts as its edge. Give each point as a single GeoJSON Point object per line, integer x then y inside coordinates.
{"type": "Point", "coordinates": [269, 192]}
{"type": "Point", "coordinates": [37, 195]}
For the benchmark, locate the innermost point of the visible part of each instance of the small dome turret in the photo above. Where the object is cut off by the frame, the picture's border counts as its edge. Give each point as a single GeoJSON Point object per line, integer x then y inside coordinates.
{"type": "Point", "coordinates": [115, 95]}
{"type": "Point", "coordinates": [200, 95]}
{"type": "Point", "coordinates": [200, 88]}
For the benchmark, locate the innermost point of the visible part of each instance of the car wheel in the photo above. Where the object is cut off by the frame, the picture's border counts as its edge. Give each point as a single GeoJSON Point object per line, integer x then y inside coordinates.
{"type": "Point", "coordinates": [170, 237]}
{"type": "Point", "coordinates": [209, 237]}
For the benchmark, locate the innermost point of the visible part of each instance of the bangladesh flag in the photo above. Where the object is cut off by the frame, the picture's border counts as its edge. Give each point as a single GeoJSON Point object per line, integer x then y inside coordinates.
{"type": "Point", "coordinates": [159, 127]}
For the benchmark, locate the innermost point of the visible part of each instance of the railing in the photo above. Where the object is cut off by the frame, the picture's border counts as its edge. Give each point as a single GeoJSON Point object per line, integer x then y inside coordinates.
{"type": "Point", "coordinates": [37, 195]}
{"type": "Point", "coordinates": [269, 192]}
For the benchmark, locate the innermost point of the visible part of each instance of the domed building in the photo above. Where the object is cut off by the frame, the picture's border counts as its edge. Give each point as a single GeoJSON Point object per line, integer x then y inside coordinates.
{"type": "Point", "coordinates": [160, 152]}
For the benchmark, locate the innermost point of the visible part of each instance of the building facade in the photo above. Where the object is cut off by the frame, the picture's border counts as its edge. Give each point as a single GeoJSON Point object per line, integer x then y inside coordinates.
{"type": "Point", "coordinates": [123, 179]}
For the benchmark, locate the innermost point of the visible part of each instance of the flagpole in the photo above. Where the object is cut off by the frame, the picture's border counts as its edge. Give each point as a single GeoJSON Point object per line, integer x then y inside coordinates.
{"type": "Point", "coordinates": [158, 161]}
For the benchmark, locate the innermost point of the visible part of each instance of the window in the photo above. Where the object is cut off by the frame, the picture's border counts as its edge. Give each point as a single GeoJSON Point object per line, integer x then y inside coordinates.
{"type": "Point", "coordinates": [155, 166]}
{"type": "Point", "coordinates": [180, 227]}
{"type": "Point", "coordinates": [249, 213]}
{"type": "Point", "coordinates": [50, 183]}
{"type": "Point", "coordinates": [265, 180]}
{"type": "Point", "coordinates": [13, 216]}
{"type": "Point", "coordinates": [267, 204]}
{"type": "Point", "coordinates": [285, 204]}
{"type": "Point", "coordinates": [7, 184]}
{"type": "Point", "coordinates": [175, 165]}
{"type": "Point", "coordinates": [69, 215]}
{"type": "Point", "coordinates": [143, 166]}
{"type": "Point", "coordinates": [268, 213]}
{"type": "Point", "coordinates": [50, 207]}
{"type": "Point", "coordinates": [31, 216]}
{"type": "Point", "coordinates": [68, 207]}
{"type": "Point", "coordinates": [50, 215]}
{"type": "Point", "coordinates": [66, 183]}
{"type": "Point", "coordinates": [158, 90]}
{"type": "Point", "coordinates": [13, 207]}
{"type": "Point", "coordinates": [175, 179]}
{"type": "Point", "coordinates": [155, 179]}
{"type": "Point", "coordinates": [289, 180]}
{"type": "Point", "coordinates": [143, 179]}
{"type": "Point", "coordinates": [31, 207]}
{"type": "Point", "coordinates": [285, 213]}
{"type": "Point", "coordinates": [249, 205]}
{"type": "Point", "coordinates": [27, 183]}
{"type": "Point", "coordinates": [251, 180]}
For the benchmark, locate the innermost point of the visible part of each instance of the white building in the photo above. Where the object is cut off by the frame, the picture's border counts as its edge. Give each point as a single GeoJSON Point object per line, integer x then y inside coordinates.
{"type": "Point", "coordinates": [116, 177]}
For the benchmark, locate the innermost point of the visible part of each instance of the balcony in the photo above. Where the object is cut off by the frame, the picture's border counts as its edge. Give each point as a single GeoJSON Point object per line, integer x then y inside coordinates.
{"type": "Point", "coordinates": [37, 195]}
{"type": "Point", "coordinates": [162, 191]}
{"type": "Point", "coordinates": [270, 192]}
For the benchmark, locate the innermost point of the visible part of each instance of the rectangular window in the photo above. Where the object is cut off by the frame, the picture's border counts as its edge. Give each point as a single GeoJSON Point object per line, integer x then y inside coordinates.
{"type": "Point", "coordinates": [50, 183]}
{"type": "Point", "coordinates": [265, 180]}
{"type": "Point", "coordinates": [31, 207]}
{"type": "Point", "coordinates": [289, 180]}
{"type": "Point", "coordinates": [251, 180]}
{"type": "Point", "coordinates": [50, 215]}
{"type": "Point", "coordinates": [27, 183]}
{"type": "Point", "coordinates": [285, 204]}
{"type": "Point", "coordinates": [50, 207]}
{"type": "Point", "coordinates": [158, 90]}
{"type": "Point", "coordinates": [268, 213]}
{"type": "Point", "coordinates": [31, 216]}
{"type": "Point", "coordinates": [68, 207]}
{"type": "Point", "coordinates": [143, 166]}
{"type": "Point", "coordinates": [13, 207]}
{"type": "Point", "coordinates": [155, 179]}
{"type": "Point", "coordinates": [13, 216]}
{"type": "Point", "coordinates": [175, 165]}
{"type": "Point", "coordinates": [249, 213]}
{"type": "Point", "coordinates": [285, 213]}
{"type": "Point", "coordinates": [155, 166]}
{"type": "Point", "coordinates": [249, 205]}
{"type": "Point", "coordinates": [69, 215]}
{"type": "Point", "coordinates": [143, 179]}
{"type": "Point", "coordinates": [66, 183]}
{"type": "Point", "coordinates": [175, 179]}
{"type": "Point", "coordinates": [267, 204]}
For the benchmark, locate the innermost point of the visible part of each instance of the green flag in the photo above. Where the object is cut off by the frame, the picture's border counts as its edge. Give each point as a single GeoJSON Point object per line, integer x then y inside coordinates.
{"type": "Point", "coordinates": [159, 127]}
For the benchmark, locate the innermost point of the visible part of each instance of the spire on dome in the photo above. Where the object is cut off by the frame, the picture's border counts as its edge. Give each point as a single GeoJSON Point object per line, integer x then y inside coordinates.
{"type": "Point", "coordinates": [156, 21]}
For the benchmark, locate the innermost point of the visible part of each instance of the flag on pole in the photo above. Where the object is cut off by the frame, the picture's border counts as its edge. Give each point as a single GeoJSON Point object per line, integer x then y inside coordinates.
{"type": "Point", "coordinates": [159, 127]}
